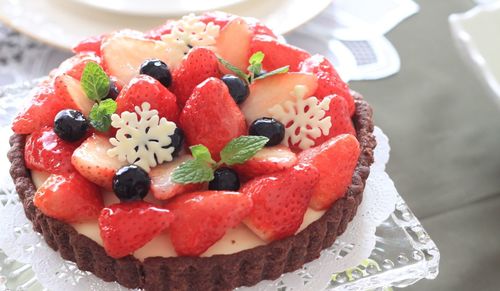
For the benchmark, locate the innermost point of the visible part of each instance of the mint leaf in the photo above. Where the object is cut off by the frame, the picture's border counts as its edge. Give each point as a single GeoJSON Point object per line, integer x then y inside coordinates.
{"type": "Point", "coordinates": [241, 149]}
{"type": "Point", "coordinates": [100, 114]}
{"type": "Point", "coordinates": [201, 152]}
{"type": "Point", "coordinates": [95, 83]}
{"type": "Point", "coordinates": [278, 71]}
{"type": "Point", "coordinates": [193, 171]}
{"type": "Point", "coordinates": [256, 58]}
{"type": "Point", "coordinates": [233, 68]}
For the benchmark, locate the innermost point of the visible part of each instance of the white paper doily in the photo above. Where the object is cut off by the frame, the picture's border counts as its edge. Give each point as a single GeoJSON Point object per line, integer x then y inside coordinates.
{"type": "Point", "coordinates": [21, 243]}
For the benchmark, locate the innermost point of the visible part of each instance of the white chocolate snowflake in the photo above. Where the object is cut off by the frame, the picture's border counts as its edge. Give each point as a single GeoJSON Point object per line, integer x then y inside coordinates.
{"type": "Point", "coordinates": [143, 138]}
{"type": "Point", "coordinates": [189, 32]}
{"type": "Point", "coordinates": [305, 119]}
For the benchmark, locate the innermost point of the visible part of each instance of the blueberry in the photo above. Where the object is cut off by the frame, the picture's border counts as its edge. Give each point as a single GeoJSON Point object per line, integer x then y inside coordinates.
{"type": "Point", "coordinates": [158, 70]}
{"type": "Point", "coordinates": [270, 128]}
{"type": "Point", "coordinates": [225, 179]}
{"type": "Point", "coordinates": [70, 125]}
{"type": "Point", "coordinates": [131, 183]}
{"type": "Point", "coordinates": [237, 88]}
{"type": "Point", "coordinates": [113, 91]}
{"type": "Point", "coordinates": [177, 141]}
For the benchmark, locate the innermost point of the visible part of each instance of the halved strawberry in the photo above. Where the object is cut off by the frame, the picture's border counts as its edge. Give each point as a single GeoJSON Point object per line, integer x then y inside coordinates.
{"type": "Point", "coordinates": [211, 117]}
{"type": "Point", "coordinates": [202, 218]}
{"type": "Point", "coordinates": [69, 197]}
{"type": "Point", "coordinates": [91, 160]}
{"type": "Point", "coordinates": [91, 44]}
{"type": "Point", "coordinates": [280, 201]}
{"type": "Point", "coordinates": [157, 32]}
{"type": "Point", "coordinates": [68, 88]}
{"type": "Point", "coordinates": [74, 66]}
{"type": "Point", "coordinates": [235, 54]}
{"type": "Point", "coordinates": [45, 151]}
{"type": "Point", "coordinates": [199, 65]}
{"type": "Point", "coordinates": [126, 227]}
{"type": "Point", "coordinates": [335, 160]}
{"type": "Point", "coordinates": [267, 161]}
{"type": "Point", "coordinates": [278, 54]}
{"type": "Point", "coordinates": [163, 187]}
{"type": "Point", "coordinates": [144, 88]}
{"type": "Point", "coordinates": [329, 81]}
{"type": "Point", "coordinates": [124, 52]}
{"type": "Point", "coordinates": [340, 118]}
{"type": "Point", "coordinates": [275, 90]}
{"type": "Point", "coordinates": [222, 19]}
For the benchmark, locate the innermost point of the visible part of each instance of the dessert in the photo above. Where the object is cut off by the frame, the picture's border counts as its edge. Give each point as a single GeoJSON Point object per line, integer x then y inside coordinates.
{"type": "Point", "coordinates": [204, 154]}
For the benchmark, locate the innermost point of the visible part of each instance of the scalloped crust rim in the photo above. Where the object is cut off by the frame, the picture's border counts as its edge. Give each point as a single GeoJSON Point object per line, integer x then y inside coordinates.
{"type": "Point", "coordinates": [219, 272]}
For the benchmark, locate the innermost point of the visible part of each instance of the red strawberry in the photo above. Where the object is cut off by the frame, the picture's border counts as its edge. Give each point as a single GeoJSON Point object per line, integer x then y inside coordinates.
{"type": "Point", "coordinates": [91, 44]}
{"type": "Point", "coordinates": [74, 66]}
{"type": "Point", "coordinates": [162, 186]}
{"type": "Point", "coordinates": [91, 160]}
{"type": "Point", "coordinates": [280, 201]}
{"type": "Point", "coordinates": [237, 55]}
{"type": "Point", "coordinates": [267, 161]}
{"type": "Point", "coordinates": [69, 91]}
{"type": "Point", "coordinates": [336, 160]}
{"type": "Point", "coordinates": [222, 19]}
{"type": "Point", "coordinates": [278, 54]}
{"type": "Point", "coordinates": [45, 151]}
{"type": "Point", "coordinates": [163, 29]}
{"type": "Point", "coordinates": [69, 197]}
{"type": "Point", "coordinates": [144, 88]}
{"type": "Point", "coordinates": [126, 227]}
{"type": "Point", "coordinates": [211, 117]}
{"type": "Point", "coordinates": [202, 218]}
{"type": "Point", "coordinates": [329, 81]}
{"type": "Point", "coordinates": [199, 65]}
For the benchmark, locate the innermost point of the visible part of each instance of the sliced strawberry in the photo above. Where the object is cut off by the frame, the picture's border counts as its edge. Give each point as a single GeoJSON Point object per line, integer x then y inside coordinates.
{"type": "Point", "coordinates": [280, 201]}
{"type": "Point", "coordinates": [335, 160]}
{"type": "Point", "coordinates": [69, 197]}
{"type": "Point", "coordinates": [199, 65]}
{"type": "Point", "coordinates": [163, 187]}
{"type": "Point", "coordinates": [329, 81]}
{"type": "Point", "coordinates": [202, 218]}
{"type": "Point", "coordinates": [157, 32]}
{"type": "Point", "coordinates": [278, 54]}
{"type": "Point", "coordinates": [340, 118]}
{"type": "Point", "coordinates": [91, 160]}
{"type": "Point", "coordinates": [268, 92]}
{"type": "Point", "coordinates": [144, 88]}
{"type": "Point", "coordinates": [74, 66]}
{"type": "Point", "coordinates": [124, 52]}
{"type": "Point", "coordinates": [91, 44]}
{"type": "Point", "coordinates": [126, 227]}
{"type": "Point", "coordinates": [235, 54]}
{"type": "Point", "coordinates": [267, 161]}
{"type": "Point", "coordinates": [45, 151]}
{"type": "Point", "coordinates": [68, 88]}
{"type": "Point", "coordinates": [211, 117]}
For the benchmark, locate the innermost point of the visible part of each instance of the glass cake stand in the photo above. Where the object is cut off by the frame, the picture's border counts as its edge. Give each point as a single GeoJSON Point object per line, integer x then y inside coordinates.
{"type": "Point", "coordinates": [404, 253]}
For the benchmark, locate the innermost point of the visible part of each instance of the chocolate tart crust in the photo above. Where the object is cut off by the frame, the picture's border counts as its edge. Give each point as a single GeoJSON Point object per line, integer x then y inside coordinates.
{"type": "Point", "coordinates": [219, 272]}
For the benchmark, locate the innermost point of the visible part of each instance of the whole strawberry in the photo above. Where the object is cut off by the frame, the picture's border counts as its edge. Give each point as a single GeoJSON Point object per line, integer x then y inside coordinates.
{"type": "Point", "coordinates": [69, 197]}
{"type": "Point", "coordinates": [278, 54]}
{"type": "Point", "coordinates": [126, 227]}
{"type": "Point", "coordinates": [211, 117]}
{"type": "Point", "coordinates": [202, 218]}
{"type": "Point", "coordinates": [280, 201]}
{"type": "Point", "coordinates": [199, 65]}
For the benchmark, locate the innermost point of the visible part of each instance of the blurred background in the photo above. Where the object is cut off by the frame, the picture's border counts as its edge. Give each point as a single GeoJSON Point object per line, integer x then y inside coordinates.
{"type": "Point", "coordinates": [432, 85]}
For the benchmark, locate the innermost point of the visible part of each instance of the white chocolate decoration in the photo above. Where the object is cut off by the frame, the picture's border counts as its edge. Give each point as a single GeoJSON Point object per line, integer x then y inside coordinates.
{"type": "Point", "coordinates": [142, 139]}
{"type": "Point", "coordinates": [189, 32]}
{"type": "Point", "coordinates": [305, 119]}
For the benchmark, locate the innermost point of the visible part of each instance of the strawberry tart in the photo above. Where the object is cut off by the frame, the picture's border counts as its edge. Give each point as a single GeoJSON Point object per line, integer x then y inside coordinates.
{"type": "Point", "coordinates": [205, 154]}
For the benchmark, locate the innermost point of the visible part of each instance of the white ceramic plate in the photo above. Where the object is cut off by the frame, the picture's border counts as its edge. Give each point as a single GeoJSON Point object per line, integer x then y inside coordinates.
{"type": "Point", "coordinates": [477, 36]}
{"type": "Point", "coordinates": [63, 23]}
{"type": "Point", "coordinates": [158, 7]}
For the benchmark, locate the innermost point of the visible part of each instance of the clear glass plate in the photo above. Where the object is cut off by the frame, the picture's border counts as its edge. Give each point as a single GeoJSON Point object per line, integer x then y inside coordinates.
{"type": "Point", "coordinates": [404, 253]}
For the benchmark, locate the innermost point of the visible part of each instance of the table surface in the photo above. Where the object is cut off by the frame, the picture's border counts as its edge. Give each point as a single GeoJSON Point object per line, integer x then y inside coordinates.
{"type": "Point", "coordinates": [444, 133]}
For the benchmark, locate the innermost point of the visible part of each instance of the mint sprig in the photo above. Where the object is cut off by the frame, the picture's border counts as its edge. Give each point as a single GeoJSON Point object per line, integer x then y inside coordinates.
{"type": "Point", "coordinates": [95, 83]}
{"type": "Point", "coordinates": [201, 168]}
{"type": "Point", "coordinates": [255, 71]}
